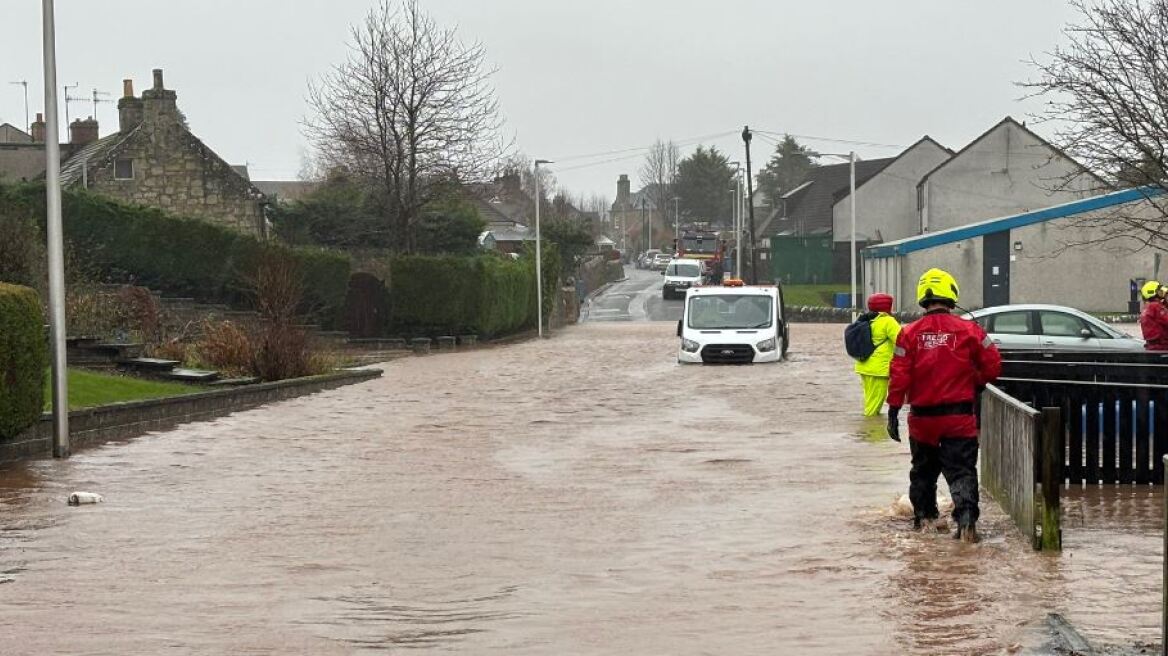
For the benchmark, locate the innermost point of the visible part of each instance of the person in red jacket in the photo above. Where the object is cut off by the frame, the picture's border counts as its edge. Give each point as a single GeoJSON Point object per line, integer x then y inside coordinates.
{"type": "Point", "coordinates": [940, 363]}
{"type": "Point", "coordinates": [1154, 318]}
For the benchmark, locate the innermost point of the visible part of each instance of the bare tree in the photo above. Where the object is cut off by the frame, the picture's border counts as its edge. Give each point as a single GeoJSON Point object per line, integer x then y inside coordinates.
{"type": "Point", "coordinates": [411, 109]}
{"type": "Point", "coordinates": [659, 173]}
{"type": "Point", "coordinates": [1107, 92]}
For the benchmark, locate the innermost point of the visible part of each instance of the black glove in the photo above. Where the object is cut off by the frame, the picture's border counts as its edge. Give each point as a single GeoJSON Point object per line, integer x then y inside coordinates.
{"type": "Point", "coordinates": [894, 422]}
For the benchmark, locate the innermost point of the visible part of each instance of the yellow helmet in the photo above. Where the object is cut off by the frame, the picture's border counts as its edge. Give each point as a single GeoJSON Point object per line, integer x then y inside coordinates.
{"type": "Point", "coordinates": [937, 285]}
{"type": "Point", "coordinates": [1148, 291]}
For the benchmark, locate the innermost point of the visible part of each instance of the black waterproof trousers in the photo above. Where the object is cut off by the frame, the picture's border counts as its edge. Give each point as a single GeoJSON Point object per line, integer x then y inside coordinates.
{"type": "Point", "coordinates": [956, 458]}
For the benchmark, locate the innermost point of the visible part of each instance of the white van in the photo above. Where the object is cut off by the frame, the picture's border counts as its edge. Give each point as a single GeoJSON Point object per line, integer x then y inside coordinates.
{"type": "Point", "coordinates": [680, 275]}
{"type": "Point", "coordinates": [733, 324]}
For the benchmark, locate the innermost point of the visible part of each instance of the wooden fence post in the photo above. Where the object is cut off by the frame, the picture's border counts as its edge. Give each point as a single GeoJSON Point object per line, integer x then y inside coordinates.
{"type": "Point", "coordinates": [1052, 479]}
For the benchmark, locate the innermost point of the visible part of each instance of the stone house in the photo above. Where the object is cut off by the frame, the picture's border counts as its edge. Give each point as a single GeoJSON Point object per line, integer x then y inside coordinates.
{"type": "Point", "coordinates": [154, 159]}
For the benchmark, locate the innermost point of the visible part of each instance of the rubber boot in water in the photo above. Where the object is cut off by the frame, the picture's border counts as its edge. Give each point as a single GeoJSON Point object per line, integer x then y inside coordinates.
{"type": "Point", "coordinates": [967, 534]}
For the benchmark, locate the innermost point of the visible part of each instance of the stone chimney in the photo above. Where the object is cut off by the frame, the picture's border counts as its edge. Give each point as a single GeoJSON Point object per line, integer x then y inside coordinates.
{"type": "Point", "coordinates": [38, 129]}
{"type": "Point", "coordinates": [129, 108]}
{"type": "Point", "coordinates": [623, 190]}
{"type": "Point", "coordinates": [83, 132]}
{"type": "Point", "coordinates": [160, 104]}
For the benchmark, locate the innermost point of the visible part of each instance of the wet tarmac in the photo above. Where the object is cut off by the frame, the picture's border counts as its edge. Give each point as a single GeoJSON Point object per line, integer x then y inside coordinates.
{"type": "Point", "coordinates": [579, 495]}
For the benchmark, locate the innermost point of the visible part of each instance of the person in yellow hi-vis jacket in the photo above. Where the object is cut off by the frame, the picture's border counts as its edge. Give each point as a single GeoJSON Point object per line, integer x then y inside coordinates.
{"type": "Point", "coordinates": [874, 369]}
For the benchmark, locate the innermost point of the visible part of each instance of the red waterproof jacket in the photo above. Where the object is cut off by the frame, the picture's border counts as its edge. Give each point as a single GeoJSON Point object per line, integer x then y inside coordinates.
{"type": "Point", "coordinates": [940, 362]}
{"type": "Point", "coordinates": [1154, 324]}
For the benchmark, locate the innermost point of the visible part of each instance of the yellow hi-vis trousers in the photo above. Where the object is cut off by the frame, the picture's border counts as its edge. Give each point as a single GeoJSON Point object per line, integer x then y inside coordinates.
{"type": "Point", "coordinates": [875, 393]}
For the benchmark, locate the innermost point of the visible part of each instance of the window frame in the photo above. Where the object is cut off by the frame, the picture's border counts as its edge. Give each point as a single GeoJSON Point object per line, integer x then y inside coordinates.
{"type": "Point", "coordinates": [120, 160]}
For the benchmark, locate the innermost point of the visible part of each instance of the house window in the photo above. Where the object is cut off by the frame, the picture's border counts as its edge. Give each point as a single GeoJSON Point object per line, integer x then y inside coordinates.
{"type": "Point", "coordinates": [124, 169]}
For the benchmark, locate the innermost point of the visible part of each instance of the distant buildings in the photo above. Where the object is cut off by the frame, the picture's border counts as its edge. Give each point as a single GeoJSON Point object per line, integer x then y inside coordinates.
{"type": "Point", "coordinates": [926, 188]}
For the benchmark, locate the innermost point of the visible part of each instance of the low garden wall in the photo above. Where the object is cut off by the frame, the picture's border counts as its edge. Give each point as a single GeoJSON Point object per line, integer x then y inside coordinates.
{"type": "Point", "coordinates": [126, 420]}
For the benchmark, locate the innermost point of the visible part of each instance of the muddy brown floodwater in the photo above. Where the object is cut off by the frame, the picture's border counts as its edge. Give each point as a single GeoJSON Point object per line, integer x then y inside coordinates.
{"type": "Point", "coordinates": [581, 495]}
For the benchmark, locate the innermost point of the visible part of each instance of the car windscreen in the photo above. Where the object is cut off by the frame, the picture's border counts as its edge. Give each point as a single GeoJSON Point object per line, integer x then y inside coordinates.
{"type": "Point", "coordinates": [684, 270]}
{"type": "Point", "coordinates": [730, 312]}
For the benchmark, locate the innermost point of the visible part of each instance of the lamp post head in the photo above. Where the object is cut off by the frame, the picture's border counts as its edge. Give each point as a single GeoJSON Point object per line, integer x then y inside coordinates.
{"type": "Point", "coordinates": [543, 161]}
{"type": "Point", "coordinates": [746, 135]}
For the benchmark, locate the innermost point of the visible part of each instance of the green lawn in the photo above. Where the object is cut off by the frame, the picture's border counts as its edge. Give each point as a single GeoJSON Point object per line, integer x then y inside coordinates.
{"type": "Point", "coordinates": [88, 389]}
{"type": "Point", "coordinates": [813, 295]}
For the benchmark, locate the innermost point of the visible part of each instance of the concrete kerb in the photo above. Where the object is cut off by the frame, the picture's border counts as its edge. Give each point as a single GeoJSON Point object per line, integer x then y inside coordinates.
{"type": "Point", "coordinates": [118, 421]}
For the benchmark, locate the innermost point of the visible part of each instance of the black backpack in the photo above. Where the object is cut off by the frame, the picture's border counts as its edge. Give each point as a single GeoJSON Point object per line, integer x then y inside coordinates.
{"type": "Point", "coordinates": [858, 337]}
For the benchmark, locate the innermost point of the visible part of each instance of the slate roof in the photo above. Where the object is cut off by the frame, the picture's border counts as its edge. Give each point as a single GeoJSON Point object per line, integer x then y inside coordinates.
{"type": "Point", "coordinates": [809, 206]}
{"type": "Point", "coordinates": [286, 190]}
{"type": "Point", "coordinates": [95, 154]}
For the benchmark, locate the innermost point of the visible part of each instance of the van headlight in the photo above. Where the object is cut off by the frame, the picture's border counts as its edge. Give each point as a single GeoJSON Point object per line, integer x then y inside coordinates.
{"type": "Point", "coordinates": [766, 345]}
{"type": "Point", "coordinates": [690, 346]}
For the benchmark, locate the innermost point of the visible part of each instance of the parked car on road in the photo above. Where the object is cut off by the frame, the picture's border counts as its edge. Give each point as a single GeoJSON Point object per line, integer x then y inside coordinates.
{"type": "Point", "coordinates": [680, 275]}
{"type": "Point", "coordinates": [645, 260]}
{"type": "Point", "coordinates": [1051, 328]}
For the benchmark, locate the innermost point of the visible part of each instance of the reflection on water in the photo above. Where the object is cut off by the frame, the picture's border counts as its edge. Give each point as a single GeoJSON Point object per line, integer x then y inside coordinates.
{"type": "Point", "coordinates": [581, 495]}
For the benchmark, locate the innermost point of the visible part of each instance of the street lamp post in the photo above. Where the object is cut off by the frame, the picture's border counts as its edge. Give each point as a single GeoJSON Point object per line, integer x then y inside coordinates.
{"type": "Point", "coordinates": [851, 157]}
{"type": "Point", "coordinates": [56, 246]}
{"type": "Point", "coordinates": [538, 253]}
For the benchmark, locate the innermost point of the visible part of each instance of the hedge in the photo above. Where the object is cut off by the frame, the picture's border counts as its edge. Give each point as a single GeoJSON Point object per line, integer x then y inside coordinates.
{"type": "Point", "coordinates": [177, 255]}
{"type": "Point", "coordinates": [449, 295]}
{"type": "Point", "coordinates": [23, 359]}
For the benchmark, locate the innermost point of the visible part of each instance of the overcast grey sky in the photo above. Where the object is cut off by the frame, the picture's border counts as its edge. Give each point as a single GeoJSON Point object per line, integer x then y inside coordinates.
{"type": "Point", "coordinates": [576, 77]}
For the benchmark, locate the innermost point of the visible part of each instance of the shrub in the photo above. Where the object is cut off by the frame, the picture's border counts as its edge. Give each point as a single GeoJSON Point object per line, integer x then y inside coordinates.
{"type": "Point", "coordinates": [226, 346]}
{"type": "Point", "coordinates": [281, 352]}
{"type": "Point", "coordinates": [23, 359]}
{"type": "Point", "coordinates": [447, 295]}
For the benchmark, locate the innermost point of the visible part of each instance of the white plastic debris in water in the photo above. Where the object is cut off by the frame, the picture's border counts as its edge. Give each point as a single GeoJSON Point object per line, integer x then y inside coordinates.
{"type": "Point", "coordinates": [80, 498]}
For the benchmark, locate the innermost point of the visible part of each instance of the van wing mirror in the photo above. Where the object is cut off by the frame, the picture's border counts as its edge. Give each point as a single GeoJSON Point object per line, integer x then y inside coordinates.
{"type": "Point", "coordinates": [679, 327]}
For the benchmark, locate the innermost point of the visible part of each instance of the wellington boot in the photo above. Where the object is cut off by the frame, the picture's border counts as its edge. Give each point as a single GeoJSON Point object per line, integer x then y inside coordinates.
{"type": "Point", "coordinates": [969, 534]}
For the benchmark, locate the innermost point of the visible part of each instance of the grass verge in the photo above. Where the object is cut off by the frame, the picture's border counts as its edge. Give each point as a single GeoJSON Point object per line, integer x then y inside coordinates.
{"type": "Point", "coordinates": [88, 389]}
{"type": "Point", "coordinates": [812, 295]}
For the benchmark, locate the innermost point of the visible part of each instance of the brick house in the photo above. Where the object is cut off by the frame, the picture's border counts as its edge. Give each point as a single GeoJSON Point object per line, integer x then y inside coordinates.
{"type": "Point", "coordinates": [154, 159]}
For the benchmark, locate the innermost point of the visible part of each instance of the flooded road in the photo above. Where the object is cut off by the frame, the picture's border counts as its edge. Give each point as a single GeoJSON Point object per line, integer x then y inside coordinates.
{"type": "Point", "coordinates": [579, 495]}
{"type": "Point", "coordinates": [636, 298]}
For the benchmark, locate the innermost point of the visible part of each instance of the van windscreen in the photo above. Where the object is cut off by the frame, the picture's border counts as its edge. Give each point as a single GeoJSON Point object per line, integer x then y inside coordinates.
{"type": "Point", "coordinates": [727, 312]}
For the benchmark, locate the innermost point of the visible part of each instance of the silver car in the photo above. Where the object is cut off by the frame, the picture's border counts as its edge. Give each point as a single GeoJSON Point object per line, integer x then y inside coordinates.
{"type": "Point", "coordinates": [1051, 328]}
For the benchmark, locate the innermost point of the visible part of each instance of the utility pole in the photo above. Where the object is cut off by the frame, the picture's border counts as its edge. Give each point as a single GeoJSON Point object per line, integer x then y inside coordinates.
{"type": "Point", "coordinates": [644, 227]}
{"type": "Point", "coordinates": [746, 137]}
{"type": "Point", "coordinates": [56, 245]}
{"type": "Point", "coordinates": [538, 253]}
{"type": "Point", "coordinates": [676, 222]}
{"type": "Point", "coordinates": [27, 125]}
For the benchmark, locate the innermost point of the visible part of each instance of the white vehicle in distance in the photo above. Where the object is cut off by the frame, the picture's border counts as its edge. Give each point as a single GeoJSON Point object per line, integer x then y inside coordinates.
{"type": "Point", "coordinates": [733, 324]}
{"type": "Point", "coordinates": [660, 261]}
{"type": "Point", "coordinates": [680, 275]}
